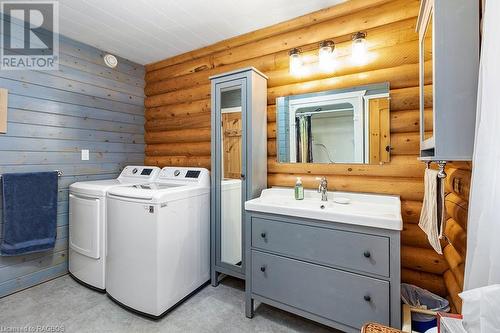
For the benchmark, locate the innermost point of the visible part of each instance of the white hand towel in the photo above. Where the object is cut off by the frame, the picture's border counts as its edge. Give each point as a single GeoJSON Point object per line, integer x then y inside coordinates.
{"type": "Point", "coordinates": [432, 217]}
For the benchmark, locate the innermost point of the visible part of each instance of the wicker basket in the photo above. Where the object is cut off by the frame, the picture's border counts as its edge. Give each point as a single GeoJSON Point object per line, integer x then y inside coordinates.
{"type": "Point", "coordinates": [377, 328]}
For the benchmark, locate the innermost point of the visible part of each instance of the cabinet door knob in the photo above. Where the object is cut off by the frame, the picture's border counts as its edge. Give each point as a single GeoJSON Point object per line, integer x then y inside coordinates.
{"type": "Point", "coordinates": [367, 298]}
{"type": "Point", "coordinates": [242, 176]}
{"type": "Point", "coordinates": [263, 234]}
{"type": "Point", "coordinates": [262, 268]}
{"type": "Point", "coordinates": [367, 254]}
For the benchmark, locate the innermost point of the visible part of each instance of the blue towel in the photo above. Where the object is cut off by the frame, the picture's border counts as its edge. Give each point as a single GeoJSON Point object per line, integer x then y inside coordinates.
{"type": "Point", "coordinates": [29, 212]}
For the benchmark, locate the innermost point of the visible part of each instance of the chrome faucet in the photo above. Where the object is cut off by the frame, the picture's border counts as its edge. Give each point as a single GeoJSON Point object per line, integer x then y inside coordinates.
{"type": "Point", "coordinates": [323, 188]}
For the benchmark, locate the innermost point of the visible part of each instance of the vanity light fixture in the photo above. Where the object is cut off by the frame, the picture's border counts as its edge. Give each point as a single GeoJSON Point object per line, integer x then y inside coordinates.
{"type": "Point", "coordinates": [359, 48]}
{"type": "Point", "coordinates": [325, 54]}
{"type": "Point", "coordinates": [295, 61]}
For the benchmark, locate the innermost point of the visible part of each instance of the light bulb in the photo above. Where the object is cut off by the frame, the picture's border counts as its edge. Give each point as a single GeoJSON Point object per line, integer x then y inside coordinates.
{"type": "Point", "coordinates": [326, 59]}
{"type": "Point", "coordinates": [295, 62]}
{"type": "Point", "coordinates": [359, 48]}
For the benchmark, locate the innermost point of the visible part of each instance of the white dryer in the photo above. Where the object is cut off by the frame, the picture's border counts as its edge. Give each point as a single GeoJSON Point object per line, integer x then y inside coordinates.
{"type": "Point", "coordinates": [159, 240]}
{"type": "Point", "coordinates": [87, 223]}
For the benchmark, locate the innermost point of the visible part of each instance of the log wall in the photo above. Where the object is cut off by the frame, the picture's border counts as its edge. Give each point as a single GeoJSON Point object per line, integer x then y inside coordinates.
{"type": "Point", "coordinates": [178, 107]}
{"type": "Point", "coordinates": [457, 201]}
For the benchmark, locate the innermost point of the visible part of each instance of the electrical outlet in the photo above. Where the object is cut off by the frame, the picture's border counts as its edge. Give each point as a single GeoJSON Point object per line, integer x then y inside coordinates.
{"type": "Point", "coordinates": [85, 155]}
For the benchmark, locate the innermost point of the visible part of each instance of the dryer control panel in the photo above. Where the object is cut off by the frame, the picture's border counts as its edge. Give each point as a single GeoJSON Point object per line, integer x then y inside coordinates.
{"type": "Point", "coordinates": [147, 173]}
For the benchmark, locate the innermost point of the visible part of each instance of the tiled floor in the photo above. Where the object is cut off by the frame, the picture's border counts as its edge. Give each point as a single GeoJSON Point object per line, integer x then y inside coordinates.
{"type": "Point", "coordinates": [66, 303]}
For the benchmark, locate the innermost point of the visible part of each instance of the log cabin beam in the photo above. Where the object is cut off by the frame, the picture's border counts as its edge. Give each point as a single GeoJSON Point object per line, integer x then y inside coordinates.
{"type": "Point", "coordinates": [457, 208]}
{"type": "Point", "coordinates": [407, 188]}
{"type": "Point", "coordinates": [401, 99]}
{"type": "Point", "coordinates": [389, 45]}
{"type": "Point", "coordinates": [412, 235]}
{"type": "Point", "coordinates": [432, 282]}
{"type": "Point", "coordinates": [197, 120]}
{"type": "Point", "coordinates": [410, 210]}
{"type": "Point", "coordinates": [402, 76]}
{"type": "Point", "coordinates": [409, 121]}
{"type": "Point", "coordinates": [276, 29]}
{"type": "Point", "coordinates": [456, 264]}
{"type": "Point", "coordinates": [400, 166]}
{"type": "Point", "coordinates": [409, 98]}
{"type": "Point", "coordinates": [377, 16]}
{"type": "Point", "coordinates": [425, 260]}
{"type": "Point", "coordinates": [458, 182]}
{"type": "Point", "coordinates": [179, 149]}
{"type": "Point", "coordinates": [457, 236]}
{"type": "Point", "coordinates": [453, 290]}
{"type": "Point", "coordinates": [162, 161]}
{"type": "Point", "coordinates": [181, 109]}
{"type": "Point", "coordinates": [176, 136]}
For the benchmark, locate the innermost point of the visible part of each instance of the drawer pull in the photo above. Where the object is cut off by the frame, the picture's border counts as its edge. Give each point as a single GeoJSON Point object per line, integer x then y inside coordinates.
{"type": "Point", "coordinates": [367, 254]}
{"type": "Point", "coordinates": [263, 235]}
{"type": "Point", "coordinates": [262, 268]}
{"type": "Point", "coordinates": [367, 298]}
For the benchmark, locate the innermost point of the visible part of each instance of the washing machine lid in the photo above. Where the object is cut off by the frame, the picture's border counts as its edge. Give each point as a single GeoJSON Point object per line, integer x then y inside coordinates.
{"type": "Point", "coordinates": [157, 192]}
{"type": "Point", "coordinates": [173, 183]}
{"type": "Point", "coordinates": [230, 184]}
{"type": "Point", "coordinates": [97, 187]}
{"type": "Point", "coordinates": [129, 175]}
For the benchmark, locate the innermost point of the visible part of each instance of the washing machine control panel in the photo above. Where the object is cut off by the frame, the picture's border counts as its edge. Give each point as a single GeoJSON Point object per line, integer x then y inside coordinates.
{"type": "Point", "coordinates": [183, 174]}
{"type": "Point", "coordinates": [140, 172]}
{"type": "Point", "coordinates": [193, 173]}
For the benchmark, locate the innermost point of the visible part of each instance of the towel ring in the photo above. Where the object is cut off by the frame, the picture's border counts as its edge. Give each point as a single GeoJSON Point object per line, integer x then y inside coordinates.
{"type": "Point", "coordinates": [441, 166]}
{"type": "Point", "coordinates": [442, 172]}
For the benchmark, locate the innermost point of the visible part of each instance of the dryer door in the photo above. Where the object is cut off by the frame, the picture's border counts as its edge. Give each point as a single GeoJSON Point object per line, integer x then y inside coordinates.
{"type": "Point", "coordinates": [84, 220]}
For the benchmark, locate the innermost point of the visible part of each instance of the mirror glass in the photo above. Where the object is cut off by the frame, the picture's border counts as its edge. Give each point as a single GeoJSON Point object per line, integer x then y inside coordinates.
{"type": "Point", "coordinates": [231, 166]}
{"type": "Point", "coordinates": [427, 124]}
{"type": "Point", "coordinates": [349, 125]}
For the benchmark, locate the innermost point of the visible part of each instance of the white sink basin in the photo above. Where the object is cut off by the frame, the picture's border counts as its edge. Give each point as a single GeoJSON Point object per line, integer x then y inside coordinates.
{"type": "Point", "coordinates": [371, 210]}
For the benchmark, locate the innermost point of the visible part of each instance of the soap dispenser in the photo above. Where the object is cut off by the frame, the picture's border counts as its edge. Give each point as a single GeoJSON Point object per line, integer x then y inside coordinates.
{"type": "Point", "coordinates": [299, 189]}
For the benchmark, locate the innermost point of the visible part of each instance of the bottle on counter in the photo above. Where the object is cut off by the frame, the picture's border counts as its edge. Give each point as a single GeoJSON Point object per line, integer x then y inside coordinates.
{"type": "Point", "coordinates": [299, 189]}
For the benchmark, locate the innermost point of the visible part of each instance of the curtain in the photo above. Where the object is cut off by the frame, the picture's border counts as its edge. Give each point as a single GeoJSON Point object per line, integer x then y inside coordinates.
{"type": "Point", "coordinates": [483, 232]}
{"type": "Point", "coordinates": [309, 139]}
{"type": "Point", "coordinates": [304, 139]}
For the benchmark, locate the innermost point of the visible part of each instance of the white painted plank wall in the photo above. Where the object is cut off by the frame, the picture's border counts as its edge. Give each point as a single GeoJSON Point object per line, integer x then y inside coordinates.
{"type": "Point", "coordinates": [52, 116]}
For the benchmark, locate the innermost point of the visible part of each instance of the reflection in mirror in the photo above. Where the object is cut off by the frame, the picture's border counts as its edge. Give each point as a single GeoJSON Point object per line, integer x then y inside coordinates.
{"type": "Point", "coordinates": [427, 123]}
{"type": "Point", "coordinates": [349, 125]}
{"type": "Point", "coordinates": [231, 145]}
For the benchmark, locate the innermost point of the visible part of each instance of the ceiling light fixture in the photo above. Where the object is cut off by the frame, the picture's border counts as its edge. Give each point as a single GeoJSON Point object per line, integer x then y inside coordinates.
{"type": "Point", "coordinates": [325, 54]}
{"type": "Point", "coordinates": [110, 60]}
{"type": "Point", "coordinates": [359, 48]}
{"type": "Point", "coordinates": [295, 61]}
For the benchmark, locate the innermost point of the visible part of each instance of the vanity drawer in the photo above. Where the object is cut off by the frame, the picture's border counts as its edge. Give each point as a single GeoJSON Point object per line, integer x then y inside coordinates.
{"type": "Point", "coordinates": [351, 250]}
{"type": "Point", "coordinates": [340, 296]}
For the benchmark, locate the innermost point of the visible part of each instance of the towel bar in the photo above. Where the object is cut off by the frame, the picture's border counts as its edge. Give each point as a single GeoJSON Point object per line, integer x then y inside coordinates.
{"type": "Point", "coordinates": [59, 173]}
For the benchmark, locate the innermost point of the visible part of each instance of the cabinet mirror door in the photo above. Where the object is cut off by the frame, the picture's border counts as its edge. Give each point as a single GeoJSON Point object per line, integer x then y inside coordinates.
{"type": "Point", "coordinates": [231, 174]}
{"type": "Point", "coordinates": [426, 107]}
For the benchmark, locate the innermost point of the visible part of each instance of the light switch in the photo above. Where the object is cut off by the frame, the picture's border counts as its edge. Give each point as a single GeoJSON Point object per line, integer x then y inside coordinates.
{"type": "Point", "coordinates": [85, 155]}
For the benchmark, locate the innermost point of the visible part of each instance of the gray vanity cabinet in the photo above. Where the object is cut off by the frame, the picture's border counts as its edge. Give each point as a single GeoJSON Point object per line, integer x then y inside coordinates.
{"type": "Point", "coordinates": [449, 67]}
{"type": "Point", "coordinates": [338, 274]}
{"type": "Point", "coordinates": [239, 163]}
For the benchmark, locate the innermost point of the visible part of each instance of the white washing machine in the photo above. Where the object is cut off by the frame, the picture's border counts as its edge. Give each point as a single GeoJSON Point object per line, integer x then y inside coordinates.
{"type": "Point", "coordinates": [159, 240]}
{"type": "Point", "coordinates": [87, 223]}
{"type": "Point", "coordinates": [231, 225]}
